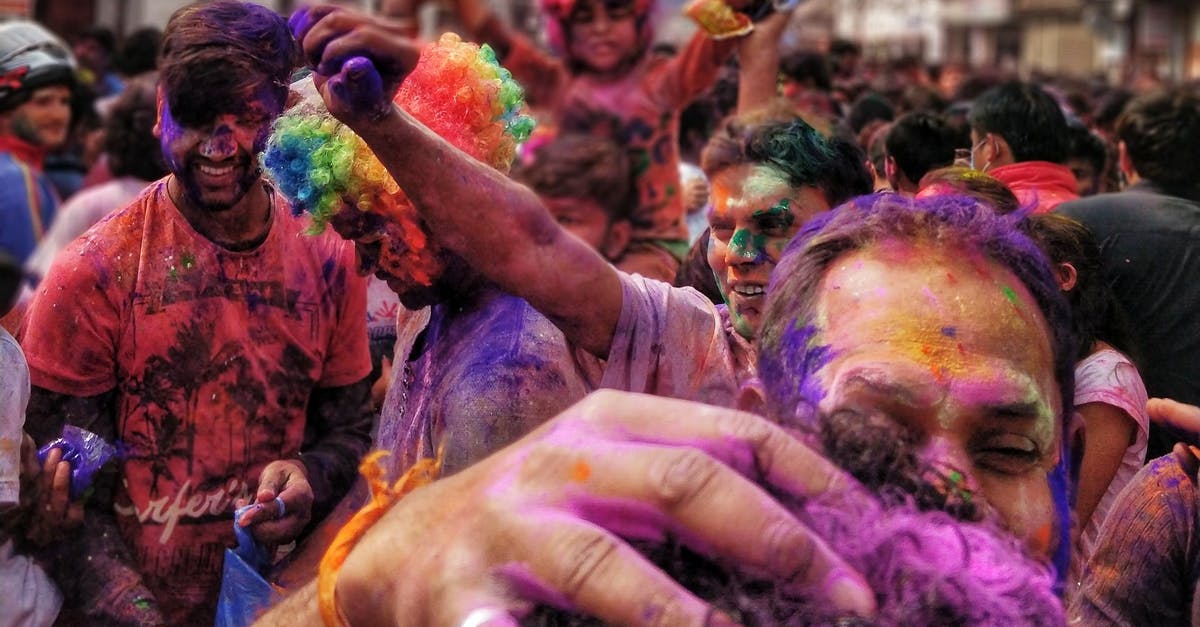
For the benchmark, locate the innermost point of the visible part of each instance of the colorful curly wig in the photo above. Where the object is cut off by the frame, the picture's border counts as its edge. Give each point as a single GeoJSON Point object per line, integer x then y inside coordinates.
{"type": "Point", "coordinates": [457, 90]}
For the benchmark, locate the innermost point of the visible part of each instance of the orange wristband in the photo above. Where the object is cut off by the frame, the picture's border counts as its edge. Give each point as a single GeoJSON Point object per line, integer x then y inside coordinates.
{"type": "Point", "coordinates": [383, 497]}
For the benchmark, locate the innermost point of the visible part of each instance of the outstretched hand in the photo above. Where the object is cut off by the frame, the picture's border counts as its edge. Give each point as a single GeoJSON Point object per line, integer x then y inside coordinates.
{"type": "Point", "coordinates": [358, 60]}
{"type": "Point", "coordinates": [546, 520]}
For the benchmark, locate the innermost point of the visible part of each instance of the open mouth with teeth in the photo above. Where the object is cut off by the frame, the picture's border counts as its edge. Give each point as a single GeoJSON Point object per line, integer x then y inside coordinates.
{"type": "Point", "coordinates": [210, 170]}
{"type": "Point", "coordinates": [749, 290]}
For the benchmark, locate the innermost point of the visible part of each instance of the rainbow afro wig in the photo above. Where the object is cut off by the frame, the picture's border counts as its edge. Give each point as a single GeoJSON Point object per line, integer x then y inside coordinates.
{"type": "Point", "coordinates": [457, 90]}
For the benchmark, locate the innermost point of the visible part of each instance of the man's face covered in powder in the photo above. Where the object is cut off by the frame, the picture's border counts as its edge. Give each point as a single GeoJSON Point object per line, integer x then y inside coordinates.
{"type": "Point", "coordinates": [211, 142]}
{"type": "Point", "coordinates": [379, 247]}
{"type": "Point", "coordinates": [755, 213]}
{"type": "Point", "coordinates": [953, 348]}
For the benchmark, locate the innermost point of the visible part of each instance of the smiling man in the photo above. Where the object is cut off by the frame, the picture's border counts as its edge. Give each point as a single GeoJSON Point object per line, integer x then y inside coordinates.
{"type": "Point", "coordinates": [36, 76]}
{"type": "Point", "coordinates": [201, 328]}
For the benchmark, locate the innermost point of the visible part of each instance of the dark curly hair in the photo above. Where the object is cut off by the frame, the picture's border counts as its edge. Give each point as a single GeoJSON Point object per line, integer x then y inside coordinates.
{"type": "Point", "coordinates": [129, 139]}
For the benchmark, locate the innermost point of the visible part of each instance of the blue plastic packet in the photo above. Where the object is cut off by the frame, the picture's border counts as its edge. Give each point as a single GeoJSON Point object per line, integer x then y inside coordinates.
{"type": "Point", "coordinates": [244, 592]}
{"type": "Point", "coordinates": [85, 451]}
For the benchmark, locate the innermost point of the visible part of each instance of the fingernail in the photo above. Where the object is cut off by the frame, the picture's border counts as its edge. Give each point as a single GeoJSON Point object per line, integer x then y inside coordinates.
{"type": "Point", "coordinates": [850, 593]}
{"type": "Point", "coordinates": [717, 618]}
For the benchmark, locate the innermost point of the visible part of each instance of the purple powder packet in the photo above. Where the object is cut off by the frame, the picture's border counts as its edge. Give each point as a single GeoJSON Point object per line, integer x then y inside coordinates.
{"type": "Point", "coordinates": [85, 451]}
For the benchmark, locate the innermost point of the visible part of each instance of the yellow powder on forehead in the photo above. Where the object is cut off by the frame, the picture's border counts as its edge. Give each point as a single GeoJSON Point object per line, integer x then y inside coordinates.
{"type": "Point", "coordinates": [961, 300]}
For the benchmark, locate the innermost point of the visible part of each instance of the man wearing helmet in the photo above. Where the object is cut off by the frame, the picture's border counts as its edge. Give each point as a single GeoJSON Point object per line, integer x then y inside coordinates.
{"type": "Point", "coordinates": [36, 76]}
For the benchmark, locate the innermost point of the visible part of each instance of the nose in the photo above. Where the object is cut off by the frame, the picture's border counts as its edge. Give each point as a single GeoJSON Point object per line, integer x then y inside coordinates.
{"type": "Point", "coordinates": [743, 248]}
{"type": "Point", "coordinates": [219, 144]}
{"type": "Point", "coordinates": [950, 470]}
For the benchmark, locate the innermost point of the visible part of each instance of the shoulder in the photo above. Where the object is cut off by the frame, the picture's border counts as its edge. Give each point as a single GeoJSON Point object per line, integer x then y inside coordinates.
{"type": "Point", "coordinates": [665, 297]}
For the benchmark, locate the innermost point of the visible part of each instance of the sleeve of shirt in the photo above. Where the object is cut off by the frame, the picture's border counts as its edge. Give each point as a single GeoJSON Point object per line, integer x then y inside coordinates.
{"type": "Point", "coordinates": [669, 342]}
{"type": "Point", "coordinates": [678, 81]}
{"type": "Point", "coordinates": [72, 326]}
{"type": "Point", "coordinates": [1142, 570]}
{"type": "Point", "coordinates": [348, 356]}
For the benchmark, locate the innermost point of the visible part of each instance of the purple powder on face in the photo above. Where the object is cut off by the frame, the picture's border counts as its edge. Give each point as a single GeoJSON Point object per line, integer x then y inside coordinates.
{"type": "Point", "coordinates": [800, 355]}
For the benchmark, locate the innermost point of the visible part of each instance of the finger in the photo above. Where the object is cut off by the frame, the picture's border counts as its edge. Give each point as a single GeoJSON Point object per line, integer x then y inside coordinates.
{"type": "Point", "coordinates": [333, 26]}
{"type": "Point", "coordinates": [387, 52]}
{"type": "Point", "coordinates": [750, 444]}
{"type": "Point", "coordinates": [295, 504]}
{"type": "Point", "coordinates": [1174, 414]}
{"type": "Point", "coordinates": [319, 28]}
{"type": "Point", "coordinates": [47, 476]}
{"type": "Point", "coordinates": [60, 495]}
{"type": "Point", "coordinates": [359, 86]}
{"type": "Point", "coordinates": [302, 22]}
{"type": "Point", "coordinates": [74, 516]}
{"type": "Point", "coordinates": [561, 561]}
{"type": "Point", "coordinates": [1186, 458]}
{"type": "Point", "coordinates": [707, 505]}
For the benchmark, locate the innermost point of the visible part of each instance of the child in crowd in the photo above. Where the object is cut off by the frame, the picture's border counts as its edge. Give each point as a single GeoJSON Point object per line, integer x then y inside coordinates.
{"type": "Point", "coordinates": [585, 182]}
{"type": "Point", "coordinates": [608, 82]}
{"type": "Point", "coordinates": [1110, 399]}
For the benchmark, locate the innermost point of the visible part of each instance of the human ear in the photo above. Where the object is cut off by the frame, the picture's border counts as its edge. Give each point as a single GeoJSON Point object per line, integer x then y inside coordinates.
{"type": "Point", "coordinates": [158, 111]}
{"type": "Point", "coordinates": [617, 240]}
{"type": "Point", "coordinates": [1066, 275]}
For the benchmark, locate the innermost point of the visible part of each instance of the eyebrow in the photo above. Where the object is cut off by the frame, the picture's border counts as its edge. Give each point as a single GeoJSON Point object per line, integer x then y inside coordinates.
{"type": "Point", "coordinates": [779, 209]}
{"type": "Point", "coordinates": [910, 393]}
{"type": "Point", "coordinates": [916, 392]}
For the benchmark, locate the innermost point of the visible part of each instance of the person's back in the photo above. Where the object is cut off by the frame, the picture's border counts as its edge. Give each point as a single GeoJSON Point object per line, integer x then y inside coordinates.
{"type": "Point", "coordinates": [1148, 239]}
{"type": "Point", "coordinates": [916, 144]}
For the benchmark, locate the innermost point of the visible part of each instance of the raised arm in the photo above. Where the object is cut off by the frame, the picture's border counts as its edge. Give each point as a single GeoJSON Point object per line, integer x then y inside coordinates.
{"type": "Point", "coordinates": [498, 226]}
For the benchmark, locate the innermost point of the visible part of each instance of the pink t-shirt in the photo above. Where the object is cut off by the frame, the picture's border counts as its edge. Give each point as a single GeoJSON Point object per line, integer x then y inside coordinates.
{"type": "Point", "coordinates": [674, 342]}
{"type": "Point", "coordinates": [1107, 376]}
{"type": "Point", "coordinates": [213, 355]}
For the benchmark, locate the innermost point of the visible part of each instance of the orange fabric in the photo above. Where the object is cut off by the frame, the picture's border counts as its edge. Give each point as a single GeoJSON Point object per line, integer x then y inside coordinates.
{"type": "Point", "coordinates": [383, 497]}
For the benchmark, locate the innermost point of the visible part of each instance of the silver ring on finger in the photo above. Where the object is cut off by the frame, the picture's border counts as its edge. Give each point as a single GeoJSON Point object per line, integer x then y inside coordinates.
{"type": "Point", "coordinates": [481, 616]}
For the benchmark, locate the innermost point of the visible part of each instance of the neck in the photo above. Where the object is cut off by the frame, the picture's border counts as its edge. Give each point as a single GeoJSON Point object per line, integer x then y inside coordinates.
{"type": "Point", "coordinates": [241, 227]}
{"type": "Point", "coordinates": [31, 154]}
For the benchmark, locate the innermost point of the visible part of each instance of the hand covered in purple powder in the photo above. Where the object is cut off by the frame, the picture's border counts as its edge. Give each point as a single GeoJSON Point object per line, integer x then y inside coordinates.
{"type": "Point", "coordinates": [358, 60]}
{"type": "Point", "coordinates": [284, 499]}
{"type": "Point", "coordinates": [546, 521]}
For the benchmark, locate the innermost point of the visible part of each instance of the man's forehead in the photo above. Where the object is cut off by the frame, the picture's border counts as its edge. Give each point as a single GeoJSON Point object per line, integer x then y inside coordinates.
{"type": "Point", "coordinates": [937, 300]}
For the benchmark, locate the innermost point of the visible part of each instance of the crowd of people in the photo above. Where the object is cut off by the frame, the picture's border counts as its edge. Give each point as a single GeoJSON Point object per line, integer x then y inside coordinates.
{"type": "Point", "coordinates": [737, 335]}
